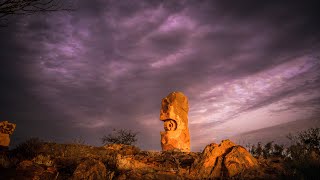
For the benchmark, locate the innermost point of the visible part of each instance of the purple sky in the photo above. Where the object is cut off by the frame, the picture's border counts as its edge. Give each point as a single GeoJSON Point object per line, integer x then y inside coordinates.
{"type": "Point", "coordinates": [243, 65]}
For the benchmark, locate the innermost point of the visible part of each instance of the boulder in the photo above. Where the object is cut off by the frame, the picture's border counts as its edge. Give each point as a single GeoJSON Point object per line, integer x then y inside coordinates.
{"type": "Point", "coordinates": [238, 160]}
{"type": "Point", "coordinates": [222, 160]}
{"type": "Point", "coordinates": [90, 169]}
{"type": "Point", "coordinates": [174, 113]}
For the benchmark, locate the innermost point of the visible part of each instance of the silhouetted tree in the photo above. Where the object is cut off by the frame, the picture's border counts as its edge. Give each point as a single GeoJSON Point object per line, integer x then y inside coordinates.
{"type": "Point", "coordinates": [121, 136]}
{"type": "Point", "coordinates": [29, 7]}
{"type": "Point", "coordinates": [278, 150]}
{"type": "Point", "coordinates": [309, 139]}
{"type": "Point", "coordinates": [259, 149]}
{"type": "Point", "coordinates": [267, 150]}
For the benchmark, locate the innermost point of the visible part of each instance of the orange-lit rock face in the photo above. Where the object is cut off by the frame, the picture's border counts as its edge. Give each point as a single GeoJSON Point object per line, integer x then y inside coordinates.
{"type": "Point", "coordinates": [6, 129]}
{"type": "Point", "coordinates": [4, 140]}
{"type": "Point", "coordinates": [174, 113]}
{"type": "Point", "coordinates": [226, 159]}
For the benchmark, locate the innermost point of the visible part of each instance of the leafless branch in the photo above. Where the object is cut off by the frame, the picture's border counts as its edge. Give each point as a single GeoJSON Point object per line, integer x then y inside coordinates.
{"type": "Point", "coordinates": [29, 7]}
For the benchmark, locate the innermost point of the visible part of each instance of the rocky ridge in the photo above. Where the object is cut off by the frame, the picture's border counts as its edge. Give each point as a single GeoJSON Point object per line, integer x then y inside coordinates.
{"type": "Point", "coordinates": [117, 161]}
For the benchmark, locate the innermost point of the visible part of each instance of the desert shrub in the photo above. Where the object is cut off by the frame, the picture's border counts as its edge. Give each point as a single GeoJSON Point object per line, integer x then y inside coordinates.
{"type": "Point", "coordinates": [303, 156]}
{"type": "Point", "coordinates": [301, 159]}
{"type": "Point", "coordinates": [256, 151]}
{"type": "Point", "coordinates": [28, 149]}
{"type": "Point", "coordinates": [278, 150]}
{"type": "Point", "coordinates": [267, 150]}
{"type": "Point", "coordinates": [309, 139]}
{"type": "Point", "coordinates": [121, 136]}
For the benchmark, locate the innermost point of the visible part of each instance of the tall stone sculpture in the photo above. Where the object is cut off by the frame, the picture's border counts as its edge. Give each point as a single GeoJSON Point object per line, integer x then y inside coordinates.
{"type": "Point", "coordinates": [174, 113]}
{"type": "Point", "coordinates": [6, 129]}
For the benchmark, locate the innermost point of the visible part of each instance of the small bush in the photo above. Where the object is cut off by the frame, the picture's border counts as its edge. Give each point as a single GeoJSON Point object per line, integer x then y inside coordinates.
{"type": "Point", "coordinates": [303, 157]}
{"type": "Point", "coordinates": [121, 136]}
{"type": "Point", "coordinates": [309, 140]}
{"type": "Point", "coordinates": [29, 149]}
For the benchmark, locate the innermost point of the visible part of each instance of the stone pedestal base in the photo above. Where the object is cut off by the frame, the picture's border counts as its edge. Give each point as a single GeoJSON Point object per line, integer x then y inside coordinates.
{"type": "Point", "coordinates": [4, 140]}
{"type": "Point", "coordinates": [179, 140]}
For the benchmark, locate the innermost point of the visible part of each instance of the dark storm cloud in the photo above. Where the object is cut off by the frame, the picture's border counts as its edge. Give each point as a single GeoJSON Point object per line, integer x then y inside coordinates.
{"type": "Point", "coordinates": [109, 63]}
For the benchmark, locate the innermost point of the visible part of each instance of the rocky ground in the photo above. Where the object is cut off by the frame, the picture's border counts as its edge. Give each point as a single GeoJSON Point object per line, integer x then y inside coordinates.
{"type": "Point", "coordinates": [75, 161]}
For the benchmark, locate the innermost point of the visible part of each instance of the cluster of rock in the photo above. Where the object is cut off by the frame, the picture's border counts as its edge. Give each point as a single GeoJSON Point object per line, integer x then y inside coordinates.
{"type": "Point", "coordinates": [225, 160]}
{"type": "Point", "coordinates": [6, 129]}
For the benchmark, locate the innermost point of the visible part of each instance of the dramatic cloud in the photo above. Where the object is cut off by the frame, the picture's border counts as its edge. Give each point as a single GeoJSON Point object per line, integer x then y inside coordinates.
{"type": "Point", "coordinates": [243, 66]}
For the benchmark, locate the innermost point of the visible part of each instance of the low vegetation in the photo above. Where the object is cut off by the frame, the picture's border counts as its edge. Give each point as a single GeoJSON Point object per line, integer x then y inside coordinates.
{"type": "Point", "coordinates": [300, 160]}
{"type": "Point", "coordinates": [121, 136]}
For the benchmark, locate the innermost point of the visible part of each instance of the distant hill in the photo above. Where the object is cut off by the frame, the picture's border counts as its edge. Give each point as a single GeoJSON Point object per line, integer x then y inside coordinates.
{"type": "Point", "coordinates": [277, 133]}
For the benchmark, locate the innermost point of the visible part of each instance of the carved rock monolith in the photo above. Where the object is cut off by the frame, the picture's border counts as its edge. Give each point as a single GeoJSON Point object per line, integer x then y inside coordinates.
{"type": "Point", "coordinates": [6, 129]}
{"type": "Point", "coordinates": [174, 113]}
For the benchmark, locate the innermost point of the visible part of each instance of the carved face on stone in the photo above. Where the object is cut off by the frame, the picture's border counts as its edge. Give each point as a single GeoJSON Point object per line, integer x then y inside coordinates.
{"type": "Point", "coordinates": [170, 125]}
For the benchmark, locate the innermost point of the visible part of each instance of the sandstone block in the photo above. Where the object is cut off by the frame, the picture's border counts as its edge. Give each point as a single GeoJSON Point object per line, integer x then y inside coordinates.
{"type": "Point", "coordinates": [174, 113]}
{"type": "Point", "coordinates": [4, 140]}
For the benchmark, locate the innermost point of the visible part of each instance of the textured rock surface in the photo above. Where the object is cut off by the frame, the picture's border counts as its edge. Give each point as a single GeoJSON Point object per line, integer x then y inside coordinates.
{"type": "Point", "coordinates": [66, 161]}
{"type": "Point", "coordinates": [6, 129]}
{"type": "Point", "coordinates": [238, 160]}
{"type": "Point", "coordinates": [122, 149]}
{"type": "Point", "coordinates": [30, 170]}
{"type": "Point", "coordinates": [90, 169]}
{"type": "Point", "coordinates": [174, 113]}
{"type": "Point", "coordinates": [224, 160]}
{"type": "Point", "coordinates": [129, 163]}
